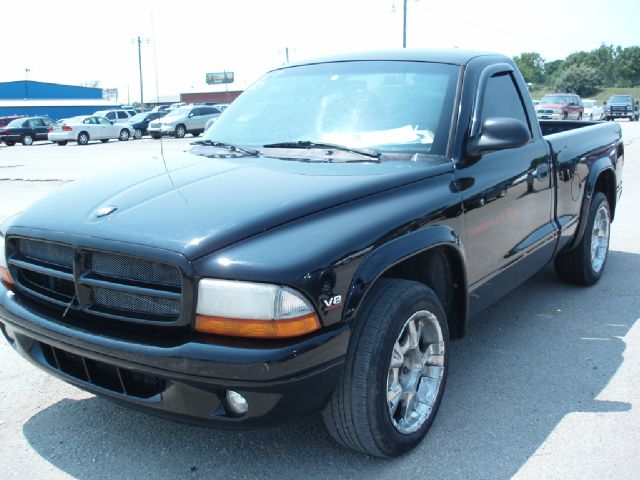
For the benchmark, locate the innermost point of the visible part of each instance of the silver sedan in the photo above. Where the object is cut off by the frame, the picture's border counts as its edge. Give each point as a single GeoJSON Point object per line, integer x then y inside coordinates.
{"type": "Point", "coordinates": [85, 128]}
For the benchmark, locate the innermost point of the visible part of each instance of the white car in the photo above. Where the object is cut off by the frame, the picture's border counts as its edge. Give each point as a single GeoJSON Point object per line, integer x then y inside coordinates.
{"type": "Point", "coordinates": [592, 110]}
{"type": "Point", "coordinates": [117, 115]}
{"type": "Point", "coordinates": [85, 128]}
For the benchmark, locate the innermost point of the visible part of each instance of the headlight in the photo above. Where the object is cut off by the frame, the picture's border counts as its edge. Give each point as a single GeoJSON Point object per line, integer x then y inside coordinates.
{"type": "Point", "coordinates": [245, 309]}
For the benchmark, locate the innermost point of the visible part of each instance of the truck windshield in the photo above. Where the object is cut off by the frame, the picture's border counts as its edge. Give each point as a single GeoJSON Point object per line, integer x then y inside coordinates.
{"type": "Point", "coordinates": [620, 99]}
{"type": "Point", "coordinates": [554, 99]}
{"type": "Point", "coordinates": [379, 105]}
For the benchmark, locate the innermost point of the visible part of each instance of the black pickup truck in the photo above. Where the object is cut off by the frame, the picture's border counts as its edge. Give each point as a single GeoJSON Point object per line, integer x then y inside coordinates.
{"type": "Point", "coordinates": [317, 250]}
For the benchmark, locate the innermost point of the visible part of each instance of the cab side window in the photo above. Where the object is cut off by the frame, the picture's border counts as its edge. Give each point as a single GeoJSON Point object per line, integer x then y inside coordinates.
{"type": "Point", "coordinates": [122, 114]}
{"type": "Point", "coordinates": [501, 99]}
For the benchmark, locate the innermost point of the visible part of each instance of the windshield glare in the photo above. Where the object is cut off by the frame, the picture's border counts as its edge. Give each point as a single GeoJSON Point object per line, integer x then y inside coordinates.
{"type": "Point", "coordinates": [178, 112]}
{"type": "Point", "coordinates": [554, 99]}
{"type": "Point", "coordinates": [386, 106]}
{"type": "Point", "coordinates": [16, 123]}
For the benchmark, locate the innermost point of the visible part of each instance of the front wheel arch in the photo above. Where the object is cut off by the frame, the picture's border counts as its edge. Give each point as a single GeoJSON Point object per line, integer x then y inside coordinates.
{"type": "Point", "coordinates": [432, 256]}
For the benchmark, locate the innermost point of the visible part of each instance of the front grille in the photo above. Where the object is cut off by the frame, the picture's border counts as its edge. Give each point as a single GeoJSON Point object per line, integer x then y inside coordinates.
{"type": "Point", "coordinates": [545, 112]}
{"type": "Point", "coordinates": [101, 374]}
{"type": "Point", "coordinates": [98, 283]}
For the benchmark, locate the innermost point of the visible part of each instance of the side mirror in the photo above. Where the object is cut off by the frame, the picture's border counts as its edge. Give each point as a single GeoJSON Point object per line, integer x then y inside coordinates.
{"type": "Point", "coordinates": [605, 102]}
{"type": "Point", "coordinates": [499, 133]}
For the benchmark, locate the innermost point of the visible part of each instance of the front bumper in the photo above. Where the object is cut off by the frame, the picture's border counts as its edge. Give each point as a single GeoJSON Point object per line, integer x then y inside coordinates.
{"type": "Point", "coordinates": [620, 114]}
{"type": "Point", "coordinates": [550, 116]}
{"type": "Point", "coordinates": [183, 376]}
{"type": "Point", "coordinates": [162, 130]}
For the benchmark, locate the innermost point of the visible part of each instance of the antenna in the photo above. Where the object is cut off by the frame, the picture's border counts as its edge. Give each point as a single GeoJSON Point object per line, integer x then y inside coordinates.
{"type": "Point", "coordinates": [155, 66]}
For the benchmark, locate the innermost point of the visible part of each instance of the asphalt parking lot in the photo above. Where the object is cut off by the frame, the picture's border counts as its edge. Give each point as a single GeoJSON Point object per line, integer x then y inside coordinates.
{"type": "Point", "coordinates": [545, 385]}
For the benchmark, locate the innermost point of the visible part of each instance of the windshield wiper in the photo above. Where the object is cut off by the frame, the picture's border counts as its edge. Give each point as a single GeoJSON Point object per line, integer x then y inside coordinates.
{"type": "Point", "coordinates": [229, 146]}
{"type": "Point", "coordinates": [329, 146]}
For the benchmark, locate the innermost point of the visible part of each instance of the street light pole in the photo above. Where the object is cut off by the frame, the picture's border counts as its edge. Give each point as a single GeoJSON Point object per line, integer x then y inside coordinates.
{"type": "Point", "coordinates": [140, 70]}
{"type": "Point", "coordinates": [404, 25]}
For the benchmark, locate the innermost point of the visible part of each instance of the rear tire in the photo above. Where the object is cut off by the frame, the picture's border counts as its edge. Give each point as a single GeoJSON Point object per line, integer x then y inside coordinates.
{"type": "Point", "coordinates": [27, 140]}
{"type": "Point", "coordinates": [137, 134]}
{"type": "Point", "coordinates": [584, 264]}
{"type": "Point", "coordinates": [394, 375]}
{"type": "Point", "coordinates": [156, 137]}
{"type": "Point", "coordinates": [83, 138]}
{"type": "Point", "coordinates": [62, 143]}
{"type": "Point", "coordinates": [104, 140]}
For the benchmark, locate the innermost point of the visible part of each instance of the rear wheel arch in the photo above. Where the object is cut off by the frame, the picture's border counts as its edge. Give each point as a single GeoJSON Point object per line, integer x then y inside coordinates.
{"type": "Point", "coordinates": [440, 265]}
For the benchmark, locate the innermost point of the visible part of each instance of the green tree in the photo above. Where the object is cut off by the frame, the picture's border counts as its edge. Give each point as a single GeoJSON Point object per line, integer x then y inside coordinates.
{"type": "Point", "coordinates": [531, 65]}
{"type": "Point", "coordinates": [552, 68]}
{"type": "Point", "coordinates": [578, 79]}
{"type": "Point", "coordinates": [627, 66]}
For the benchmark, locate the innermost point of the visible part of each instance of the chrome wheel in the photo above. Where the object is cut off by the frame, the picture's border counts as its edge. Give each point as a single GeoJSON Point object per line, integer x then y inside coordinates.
{"type": "Point", "coordinates": [137, 134]}
{"type": "Point", "coordinates": [415, 372]}
{"type": "Point", "coordinates": [124, 135]}
{"type": "Point", "coordinates": [600, 238]}
{"type": "Point", "coordinates": [27, 140]}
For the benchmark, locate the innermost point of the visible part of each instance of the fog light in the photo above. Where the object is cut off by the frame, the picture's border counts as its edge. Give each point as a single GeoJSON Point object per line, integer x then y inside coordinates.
{"type": "Point", "coordinates": [237, 403]}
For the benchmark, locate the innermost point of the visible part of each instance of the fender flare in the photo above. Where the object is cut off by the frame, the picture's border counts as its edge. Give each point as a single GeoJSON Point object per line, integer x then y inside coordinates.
{"type": "Point", "coordinates": [389, 254]}
{"type": "Point", "coordinates": [599, 167]}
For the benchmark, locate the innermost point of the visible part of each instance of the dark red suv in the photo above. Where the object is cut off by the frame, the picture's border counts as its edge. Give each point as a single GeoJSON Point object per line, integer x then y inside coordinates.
{"type": "Point", "coordinates": [560, 106]}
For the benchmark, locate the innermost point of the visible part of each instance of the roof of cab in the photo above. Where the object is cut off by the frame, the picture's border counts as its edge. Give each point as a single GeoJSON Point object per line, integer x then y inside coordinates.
{"type": "Point", "coordinates": [452, 56]}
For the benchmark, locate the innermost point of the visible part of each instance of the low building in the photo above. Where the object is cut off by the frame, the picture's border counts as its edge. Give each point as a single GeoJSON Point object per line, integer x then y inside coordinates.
{"type": "Point", "coordinates": [54, 100]}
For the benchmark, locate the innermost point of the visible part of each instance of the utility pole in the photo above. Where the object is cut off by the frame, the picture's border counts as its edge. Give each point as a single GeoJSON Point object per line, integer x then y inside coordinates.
{"type": "Point", "coordinates": [404, 25]}
{"type": "Point", "coordinates": [140, 70]}
{"type": "Point", "coordinates": [26, 82]}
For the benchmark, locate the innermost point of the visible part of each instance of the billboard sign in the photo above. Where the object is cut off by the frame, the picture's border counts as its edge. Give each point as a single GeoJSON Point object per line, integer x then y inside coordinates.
{"type": "Point", "coordinates": [219, 77]}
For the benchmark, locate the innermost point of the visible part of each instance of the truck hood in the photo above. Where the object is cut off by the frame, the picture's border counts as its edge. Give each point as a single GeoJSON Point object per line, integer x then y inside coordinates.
{"type": "Point", "coordinates": [196, 205]}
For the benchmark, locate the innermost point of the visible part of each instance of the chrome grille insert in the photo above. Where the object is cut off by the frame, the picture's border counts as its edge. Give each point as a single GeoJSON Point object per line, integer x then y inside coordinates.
{"type": "Point", "coordinates": [127, 268]}
{"type": "Point", "coordinates": [135, 302]}
{"type": "Point", "coordinates": [51, 253]}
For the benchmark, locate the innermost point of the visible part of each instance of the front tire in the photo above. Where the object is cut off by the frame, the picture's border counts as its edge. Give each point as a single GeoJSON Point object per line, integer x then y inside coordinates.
{"type": "Point", "coordinates": [62, 143]}
{"type": "Point", "coordinates": [584, 264]}
{"type": "Point", "coordinates": [137, 134]}
{"type": "Point", "coordinates": [124, 135]}
{"type": "Point", "coordinates": [104, 140]}
{"type": "Point", "coordinates": [10, 144]}
{"type": "Point", "coordinates": [180, 131]}
{"type": "Point", "coordinates": [395, 371]}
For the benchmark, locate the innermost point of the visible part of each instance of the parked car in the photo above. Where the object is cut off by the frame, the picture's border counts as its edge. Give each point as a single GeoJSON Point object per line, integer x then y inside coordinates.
{"type": "Point", "coordinates": [173, 106]}
{"type": "Point", "coordinates": [25, 130]}
{"type": "Point", "coordinates": [86, 128]}
{"type": "Point", "coordinates": [140, 122]}
{"type": "Point", "coordinates": [177, 123]}
{"type": "Point", "coordinates": [560, 106]}
{"type": "Point", "coordinates": [592, 110]}
{"type": "Point", "coordinates": [6, 119]}
{"type": "Point", "coordinates": [338, 237]}
{"type": "Point", "coordinates": [621, 106]}
{"type": "Point", "coordinates": [117, 116]}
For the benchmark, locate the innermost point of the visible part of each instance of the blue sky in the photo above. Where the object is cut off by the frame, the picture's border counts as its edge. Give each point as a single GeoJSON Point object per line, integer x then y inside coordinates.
{"type": "Point", "coordinates": [79, 41]}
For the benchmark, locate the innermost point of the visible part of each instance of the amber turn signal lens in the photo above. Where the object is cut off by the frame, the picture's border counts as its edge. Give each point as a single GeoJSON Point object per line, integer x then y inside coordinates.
{"type": "Point", "coordinates": [5, 277]}
{"type": "Point", "coordinates": [237, 327]}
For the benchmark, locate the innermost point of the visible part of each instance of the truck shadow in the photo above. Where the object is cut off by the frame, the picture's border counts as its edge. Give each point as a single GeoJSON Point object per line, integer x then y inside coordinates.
{"type": "Point", "coordinates": [546, 350]}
